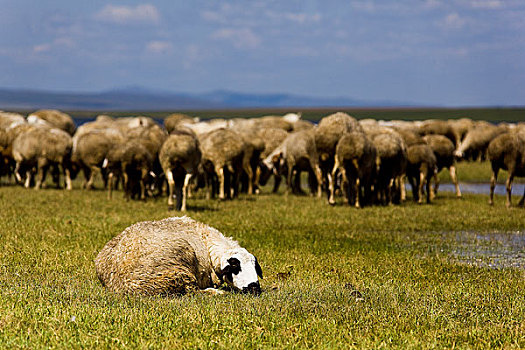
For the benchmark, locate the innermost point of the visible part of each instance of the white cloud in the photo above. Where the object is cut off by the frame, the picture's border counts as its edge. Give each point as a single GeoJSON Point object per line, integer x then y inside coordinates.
{"type": "Point", "coordinates": [240, 38]}
{"type": "Point", "coordinates": [145, 13]}
{"type": "Point", "coordinates": [453, 21]}
{"type": "Point", "coordinates": [486, 4]}
{"type": "Point", "coordinates": [41, 48]}
{"type": "Point", "coordinates": [62, 42]}
{"type": "Point", "coordinates": [159, 47]}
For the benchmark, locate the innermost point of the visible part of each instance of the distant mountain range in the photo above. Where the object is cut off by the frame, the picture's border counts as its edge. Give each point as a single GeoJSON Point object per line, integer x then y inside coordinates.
{"type": "Point", "coordinates": [136, 98]}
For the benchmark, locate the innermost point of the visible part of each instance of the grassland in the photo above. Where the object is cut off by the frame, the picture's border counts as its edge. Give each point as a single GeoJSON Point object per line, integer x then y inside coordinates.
{"type": "Point", "coordinates": [409, 276]}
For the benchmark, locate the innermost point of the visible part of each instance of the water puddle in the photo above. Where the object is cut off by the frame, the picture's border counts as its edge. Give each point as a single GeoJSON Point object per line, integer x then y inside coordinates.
{"type": "Point", "coordinates": [481, 188]}
{"type": "Point", "coordinates": [493, 249]}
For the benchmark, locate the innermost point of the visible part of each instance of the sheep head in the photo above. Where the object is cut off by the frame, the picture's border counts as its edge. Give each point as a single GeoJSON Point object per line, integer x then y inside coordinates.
{"type": "Point", "coordinates": [241, 270]}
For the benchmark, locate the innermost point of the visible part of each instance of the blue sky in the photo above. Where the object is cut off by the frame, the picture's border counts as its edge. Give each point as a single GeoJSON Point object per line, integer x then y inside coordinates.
{"type": "Point", "coordinates": [452, 53]}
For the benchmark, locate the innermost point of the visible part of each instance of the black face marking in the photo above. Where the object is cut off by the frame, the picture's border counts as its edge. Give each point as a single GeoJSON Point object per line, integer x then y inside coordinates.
{"type": "Point", "coordinates": [258, 269]}
{"type": "Point", "coordinates": [235, 265]}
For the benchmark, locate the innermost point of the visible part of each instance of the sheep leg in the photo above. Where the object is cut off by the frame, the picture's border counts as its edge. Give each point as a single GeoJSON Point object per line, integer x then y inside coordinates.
{"type": "Point", "coordinates": [436, 185]}
{"type": "Point", "coordinates": [509, 189]}
{"type": "Point", "coordinates": [67, 175]}
{"type": "Point", "coordinates": [220, 174]}
{"type": "Point", "coordinates": [89, 183]}
{"type": "Point", "coordinates": [428, 187]}
{"type": "Point", "coordinates": [402, 188]}
{"type": "Point", "coordinates": [171, 185]}
{"type": "Point", "coordinates": [17, 173]}
{"type": "Point", "coordinates": [420, 185]}
{"type": "Point", "coordinates": [414, 185]}
{"type": "Point", "coordinates": [28, 179]}
{"type": "Point", "coordinates": [357, 184]}
{"type": "Point", "coordinates": [276, 182]}
{"type": "Point", "coordinates": [454, 178]}
{"type": "Point", "coordinates": [212, 291]}
{"type": "Point", "coordinates": [185, 189]}
{"type": "Point", "coordinates": [493, 180]}
{"type": "Point", "coordinates": [289, 178]}
{"type": "Point", "coordinates": [319, 176]}
{"type": "Point", "coordinates": [143, 179]}
{"type": "Point", "coordinates": [110, 184]}
{"type": "Point", "coordinates": [41, 172]}
{"type": "Point", "coordinates": [331, 185]}
{"type": "Point", "coordinates": [249, 172]}
{"type": "Point", "coordinates": [127, 192]}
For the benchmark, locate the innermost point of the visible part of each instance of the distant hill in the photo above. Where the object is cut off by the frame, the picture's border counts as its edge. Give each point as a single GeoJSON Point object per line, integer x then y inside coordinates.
{"type": "Point", "coordinates": [136, 98]}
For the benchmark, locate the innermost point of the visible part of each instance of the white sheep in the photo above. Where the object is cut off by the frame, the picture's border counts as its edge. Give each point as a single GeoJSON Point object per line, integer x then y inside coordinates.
{"type": "Point", "coordinates": [175, 256]}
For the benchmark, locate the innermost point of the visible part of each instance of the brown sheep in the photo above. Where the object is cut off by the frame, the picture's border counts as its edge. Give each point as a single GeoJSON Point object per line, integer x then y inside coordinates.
{"type": "Point", "coordinates": [507, 152]}
{"type": "Point", "coordinates": [355, 158]}
{"type": "Point", "coordinates": [172, 121]}
{"type": "Point", "coordinates": [54, 118]}
{"type": "Point", "coordinates": [440, 127]}
{"type": "Point", "coordinates": [327, 134]}
{"type": "Point", "coordinates": [90, 151]}
{"type": "Point", "coordinates": [175, 256]}
{"type": "Point", "coordinates": [392, 154]}
{"type": "Point", "coordinates": [298, 153]}
{"type": "Point", "coordinates": [179, 157]}
{"type": "Point", "coordinates": [477, 140]}
{"type": "Point", "coordinates": [133, 161]}
{"type": "Point", "coordinates": [443, 149]}
{"type": "Point", "coordinates": [420, 170]}
{"type": "Point", "coordinates": [41, 148]}
{"type": "Point", "coordinates": [223, 155]}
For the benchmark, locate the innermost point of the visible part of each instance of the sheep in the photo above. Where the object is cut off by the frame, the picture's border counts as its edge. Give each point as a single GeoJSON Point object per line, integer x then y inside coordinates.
{"type": "Point", "coordinates": [175, 256]}
{"type": "Point", "coordinates": [179, 157]}
{"type": "Point", "coordinates": [42, 147]}
{"type": "Point", "coordinates": [172, 121]}
{"type": "Point", "coordinates": [327, 134]}
{"type": "Point", "coordinates": [507, 152]}
{"type": "Point", "coordinates": [440, 127]}
{"type": "Point", "coordinates": [133, 161]}
{"type": "Point", "coordinates": [461, 127]}
{"type": "Point", "coordinates": [477, 140]}
{"type": "Point", "coordinates": [223, 155]}
{"type": "Point", "coordinates": [355, 158]}
{"type": "Point", "coordinates": [392, 161]}
{"type": "Point", "coordinates": [53, 118]}
{"type": "Point", "coordinates": [90, 150]}
{"type": "Point", "coordinates": [272, 137]}
{"type": "Point", "coordinates": [443, 149]}
{"type": "Point", "coordinates": [297, 153]}
{"type": "Point", "coordinates": [420, 170]}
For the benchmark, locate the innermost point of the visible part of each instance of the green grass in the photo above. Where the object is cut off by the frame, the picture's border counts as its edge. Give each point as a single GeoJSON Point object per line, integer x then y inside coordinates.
{"type": "Point", "coordinates": [416, 292]}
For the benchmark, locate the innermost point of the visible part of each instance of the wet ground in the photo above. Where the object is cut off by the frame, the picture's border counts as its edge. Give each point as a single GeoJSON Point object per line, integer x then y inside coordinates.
{"type": "Point", "coordinates": [482, 188]}
{"type": "Point", "coordinates": [494, 249]}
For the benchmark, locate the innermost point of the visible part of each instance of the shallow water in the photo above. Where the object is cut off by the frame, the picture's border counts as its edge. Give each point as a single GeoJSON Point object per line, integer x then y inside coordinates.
{"type": "Point", "coordinates": [493, 249]}
{"type": "Point", "coordinates": [482, 188]}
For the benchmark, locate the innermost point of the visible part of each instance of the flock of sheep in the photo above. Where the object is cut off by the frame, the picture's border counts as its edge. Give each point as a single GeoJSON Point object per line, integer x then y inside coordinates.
{"type": "Point", "coordinates": [366, 160]}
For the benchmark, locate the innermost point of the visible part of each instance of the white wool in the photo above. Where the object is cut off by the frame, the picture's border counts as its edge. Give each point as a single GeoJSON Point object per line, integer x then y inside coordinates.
{"type": "Point", "coordinates": [292, 117]}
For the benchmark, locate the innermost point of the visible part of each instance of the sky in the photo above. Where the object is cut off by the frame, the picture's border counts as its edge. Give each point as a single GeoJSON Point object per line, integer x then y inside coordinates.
{"type": "Point", "coordinates": [434, 52]}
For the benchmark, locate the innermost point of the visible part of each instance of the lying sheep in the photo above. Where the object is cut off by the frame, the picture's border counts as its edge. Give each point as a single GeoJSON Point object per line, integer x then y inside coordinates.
{"type": "Point", "coordinates": [175, 256]}
{"type": "Point", "coordinates": [355, 158]}
{"type": "Point", "coordinates": [443, 149]}
{"type": "Point", "coordinates": [507, 152]}
{"type": "Point", "coordinates": [179, 157]}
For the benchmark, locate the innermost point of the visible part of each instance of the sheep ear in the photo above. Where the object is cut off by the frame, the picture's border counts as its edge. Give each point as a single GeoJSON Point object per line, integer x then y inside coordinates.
{"type": "Point", "coordinates": [258, 268]}
{"type": "Point", "coordinates": [225, 271]}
